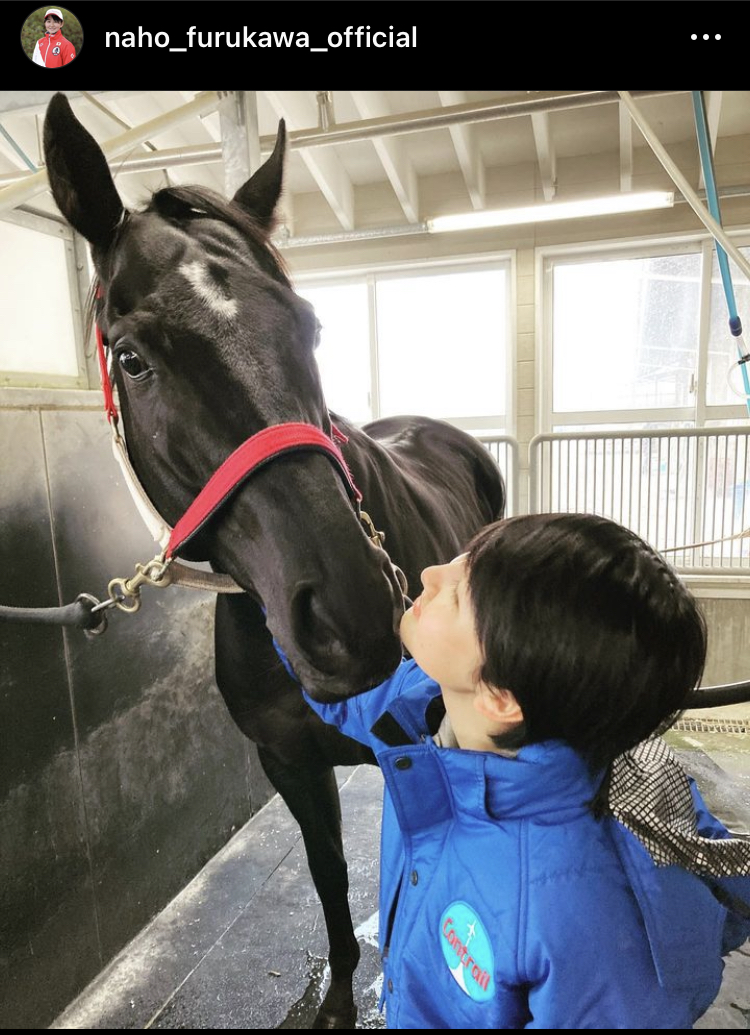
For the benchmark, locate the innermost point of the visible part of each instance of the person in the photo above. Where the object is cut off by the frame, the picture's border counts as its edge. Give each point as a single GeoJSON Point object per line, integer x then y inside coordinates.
{"type": "Point", "coordinates": [53, 50]}
{"type": "Point", "coordinates": [545, 861]}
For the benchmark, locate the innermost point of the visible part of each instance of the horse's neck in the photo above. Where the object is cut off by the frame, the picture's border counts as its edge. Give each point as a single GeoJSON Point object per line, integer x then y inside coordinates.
{"type": "Point", "coordinates": [365, 455]}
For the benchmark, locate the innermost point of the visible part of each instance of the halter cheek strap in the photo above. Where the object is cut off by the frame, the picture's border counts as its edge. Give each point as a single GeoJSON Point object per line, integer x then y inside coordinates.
{"type": "Point", "coordinates": [109, 400]}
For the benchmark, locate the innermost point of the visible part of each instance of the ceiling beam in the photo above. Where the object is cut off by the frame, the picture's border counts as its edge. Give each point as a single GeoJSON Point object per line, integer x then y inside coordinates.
{"type": "Point", "coordinates": [130, 198]}
{"type": "Point", "coordinates": [240, 138]}
{"type": "Point", "coordinates": [474, 111]}
{"type": "Point", "coordinates": [10, 147]}
{"type": "Point", "coordinates": [467, 151]}
{"type": "Point", "coordinates": [36, 183]}
{"type": "Point", "coordinates": [372, 104]}
{"type": "Point", "coordinates": [31, 102]}
{"type": "Point", "coordinates": [545, 154]}
{"type": "Point", "coordinates": [626, 148]}
{"type": "Point", "coordinates": [343, 133]}
{"type": "Point", "coordinates": [301, 110]}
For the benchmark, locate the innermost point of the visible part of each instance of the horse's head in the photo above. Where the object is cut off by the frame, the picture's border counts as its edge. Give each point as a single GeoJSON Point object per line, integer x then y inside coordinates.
{"type": "Point", "coordinates": [210, 345]}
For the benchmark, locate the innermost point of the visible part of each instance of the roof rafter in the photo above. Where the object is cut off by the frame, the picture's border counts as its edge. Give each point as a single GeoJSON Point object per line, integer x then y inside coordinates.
{"type": "Point", "coordinates": [300, 111]}
{"type": "Point", "coordinates": [467, 151]}
{"type": "Point", "coordinates": [626, 148]}
{"type": "Point", "coordinates": [545, 154]}
{"type": "Point", "coordinates": [372, 104]}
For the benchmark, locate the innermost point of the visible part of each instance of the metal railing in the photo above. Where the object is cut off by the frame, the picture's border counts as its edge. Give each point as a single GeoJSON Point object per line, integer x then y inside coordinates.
{"type": "Point", "coordinates": [686, 491]}
{"type": "Point", "coordinates": [504, 450]}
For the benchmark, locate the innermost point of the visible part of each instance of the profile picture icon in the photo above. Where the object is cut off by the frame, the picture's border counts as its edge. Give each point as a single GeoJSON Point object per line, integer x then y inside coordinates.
{"type": "Point", "coordinates": [52, 37]}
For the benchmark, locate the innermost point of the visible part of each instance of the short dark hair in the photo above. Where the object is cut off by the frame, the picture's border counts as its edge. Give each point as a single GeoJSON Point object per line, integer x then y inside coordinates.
{"type": "Point", "coordinates": [592, 631]}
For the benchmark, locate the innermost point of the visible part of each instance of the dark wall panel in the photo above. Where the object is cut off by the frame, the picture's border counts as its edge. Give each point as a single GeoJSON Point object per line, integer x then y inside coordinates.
{"type": "Point", "coordinates": [35, 713]}
{"type": "Point", "coordinates": [121, 772]}
{"type": "Point", "coordinates": [46, 893]}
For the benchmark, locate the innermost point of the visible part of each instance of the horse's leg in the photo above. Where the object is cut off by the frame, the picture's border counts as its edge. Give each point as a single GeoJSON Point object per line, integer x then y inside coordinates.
{"type": "Point", "coordinates": [297, 751]}
{"type": "Point", "coordinates": [313, 799]}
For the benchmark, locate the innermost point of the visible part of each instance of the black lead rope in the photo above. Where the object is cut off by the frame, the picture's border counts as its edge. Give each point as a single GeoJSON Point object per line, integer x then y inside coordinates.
{"type": "Point", "coordinates": [79, 615]}
{"type": "Point", "coordinates": [719, 696]}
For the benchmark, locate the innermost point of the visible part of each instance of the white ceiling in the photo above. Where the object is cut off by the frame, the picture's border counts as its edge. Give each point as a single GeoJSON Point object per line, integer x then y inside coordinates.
{"type": "Point", "coordinates": [540, 143]}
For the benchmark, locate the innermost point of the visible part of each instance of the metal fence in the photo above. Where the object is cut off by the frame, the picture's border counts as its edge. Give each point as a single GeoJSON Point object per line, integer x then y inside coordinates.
{"type": "Point", "coordinates": [686, 492]}
{"type": "Point", "coordinates": [504, 450]}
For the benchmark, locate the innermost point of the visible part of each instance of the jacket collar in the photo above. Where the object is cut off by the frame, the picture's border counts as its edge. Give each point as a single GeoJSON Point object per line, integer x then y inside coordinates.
{"type": "Point", "coordinates": [549, 779]}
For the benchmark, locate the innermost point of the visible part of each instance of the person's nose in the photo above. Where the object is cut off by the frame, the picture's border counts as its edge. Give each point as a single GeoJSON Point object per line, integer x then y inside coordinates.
{"type": "Point", "coordinates": [432, 577]}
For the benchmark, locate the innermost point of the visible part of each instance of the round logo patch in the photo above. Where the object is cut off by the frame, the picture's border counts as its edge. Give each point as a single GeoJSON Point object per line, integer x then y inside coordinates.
{"type": "Point", "coordinates": [467, 951]}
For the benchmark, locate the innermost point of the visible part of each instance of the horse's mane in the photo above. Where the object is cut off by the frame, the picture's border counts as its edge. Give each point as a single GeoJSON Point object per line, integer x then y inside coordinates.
{"type": "Point", "coordinates": [181, 204]}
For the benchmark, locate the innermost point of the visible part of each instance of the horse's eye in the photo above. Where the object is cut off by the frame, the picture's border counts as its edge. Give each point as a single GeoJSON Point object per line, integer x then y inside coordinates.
{"type": "Point", "coordinates": [131, 363]}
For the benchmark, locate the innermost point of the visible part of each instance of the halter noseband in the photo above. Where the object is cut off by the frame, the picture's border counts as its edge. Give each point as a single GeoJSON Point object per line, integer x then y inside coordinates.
{"type": "Point", "coordinates": [254, 453]}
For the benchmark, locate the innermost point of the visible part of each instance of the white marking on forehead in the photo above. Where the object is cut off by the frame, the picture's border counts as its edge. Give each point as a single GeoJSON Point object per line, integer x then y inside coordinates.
{"type": "Point", "coordinates": [207, 289]}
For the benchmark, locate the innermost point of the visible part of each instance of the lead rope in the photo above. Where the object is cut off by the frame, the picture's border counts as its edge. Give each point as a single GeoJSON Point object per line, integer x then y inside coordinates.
{"type": "Point", "coordinates": [81, 614]}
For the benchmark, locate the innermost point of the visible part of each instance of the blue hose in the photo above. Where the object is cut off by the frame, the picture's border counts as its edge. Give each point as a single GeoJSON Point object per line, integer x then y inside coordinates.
{"type": "Point", "coordinates": [712, 196]}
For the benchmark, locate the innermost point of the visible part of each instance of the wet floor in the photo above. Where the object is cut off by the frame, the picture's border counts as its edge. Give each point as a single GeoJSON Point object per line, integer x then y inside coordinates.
{"type": "Point", "coordinates": [244, 944]}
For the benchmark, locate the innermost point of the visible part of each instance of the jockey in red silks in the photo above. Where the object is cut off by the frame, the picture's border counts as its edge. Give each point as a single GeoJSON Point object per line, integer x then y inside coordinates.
{"type": "Point", "coordinates": [53, 50]}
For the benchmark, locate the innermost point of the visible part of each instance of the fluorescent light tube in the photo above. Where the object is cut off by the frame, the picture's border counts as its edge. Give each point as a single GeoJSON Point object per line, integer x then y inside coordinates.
{"type": "Point", "coordinates": [554, 210]}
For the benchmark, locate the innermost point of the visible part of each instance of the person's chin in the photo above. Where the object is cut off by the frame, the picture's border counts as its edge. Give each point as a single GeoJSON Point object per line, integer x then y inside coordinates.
{"type": "Point", "coordinates": [406, 626]}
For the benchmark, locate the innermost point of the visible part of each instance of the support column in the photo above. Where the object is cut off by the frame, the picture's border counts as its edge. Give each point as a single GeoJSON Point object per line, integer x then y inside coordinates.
{"type": "Point", "coordinates": [240, 139]}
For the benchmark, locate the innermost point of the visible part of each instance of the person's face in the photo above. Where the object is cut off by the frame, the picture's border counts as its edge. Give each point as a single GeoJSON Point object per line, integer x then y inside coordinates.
{"type": "Point", "coordinates": [438, 629]}
{"type": "Point", "coordinates": [51, 24]}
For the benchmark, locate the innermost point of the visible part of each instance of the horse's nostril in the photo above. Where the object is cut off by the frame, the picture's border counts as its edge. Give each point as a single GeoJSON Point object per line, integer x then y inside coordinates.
{"type": "Point", "coordinates": [314, 631]}
{"type": "Point", "coordinates": [335, 644]}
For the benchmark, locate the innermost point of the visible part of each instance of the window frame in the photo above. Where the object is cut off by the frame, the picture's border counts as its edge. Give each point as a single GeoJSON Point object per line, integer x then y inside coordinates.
{"type": "Point", "coordinates": [78, 278]}
{"type": "Point", "coordinates": [701, 414]}
{"type": "Point", "coordinates": [371, 273]}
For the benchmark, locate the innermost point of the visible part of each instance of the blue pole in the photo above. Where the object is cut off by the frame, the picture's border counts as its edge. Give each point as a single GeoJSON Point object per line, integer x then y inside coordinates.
{"type": "Point", "coordinates": [712, 196]}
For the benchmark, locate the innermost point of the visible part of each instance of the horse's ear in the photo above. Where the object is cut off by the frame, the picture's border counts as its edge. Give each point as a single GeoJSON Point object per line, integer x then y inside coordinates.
{"type": "Point", "coordinates": [79, 176]}
{"type": "Point", "coordinates": [260, 194]}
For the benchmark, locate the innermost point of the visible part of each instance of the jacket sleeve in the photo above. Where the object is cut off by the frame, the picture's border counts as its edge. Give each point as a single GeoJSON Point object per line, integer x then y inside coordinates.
{"type": "Point", "coordinates": [355, 716]}
{"type": "Point", "coordinates": [70, 53]}
{"type": "Point", "coordinates": [737, 923]}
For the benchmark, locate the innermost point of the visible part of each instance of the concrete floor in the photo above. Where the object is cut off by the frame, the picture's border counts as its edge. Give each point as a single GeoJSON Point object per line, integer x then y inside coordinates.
{"type": "Point", "coordinates": [243, 946]}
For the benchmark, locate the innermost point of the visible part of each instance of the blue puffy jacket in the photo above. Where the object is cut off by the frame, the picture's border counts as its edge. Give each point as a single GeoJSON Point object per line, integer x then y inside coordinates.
{"type": "Point", "coordinates": [505, 904]}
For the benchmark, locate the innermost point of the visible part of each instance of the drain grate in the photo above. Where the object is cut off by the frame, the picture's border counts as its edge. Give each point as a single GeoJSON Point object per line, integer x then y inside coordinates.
{"type": "Point", "coordinates": [732, 726]}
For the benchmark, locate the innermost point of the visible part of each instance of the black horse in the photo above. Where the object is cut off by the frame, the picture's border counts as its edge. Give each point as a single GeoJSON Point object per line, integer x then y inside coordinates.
{"type": "Point", "coordinates": [210, 344]}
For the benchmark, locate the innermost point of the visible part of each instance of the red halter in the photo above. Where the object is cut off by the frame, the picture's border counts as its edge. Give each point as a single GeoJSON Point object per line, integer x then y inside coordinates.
{"type": "Point", "coordinates": [256, 451]}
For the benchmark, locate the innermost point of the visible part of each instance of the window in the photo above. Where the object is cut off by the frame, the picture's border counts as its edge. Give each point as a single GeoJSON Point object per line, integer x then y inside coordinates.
{"type": "Point", "coordinates": [39, 343]}
{"type": "Point", "coordinates": [433, 340]}
{"type": "Point", "coordinates": [625, 333]}
{"type": "Point", "coordinates": [724, 382]}
{"type": "Point", "coordinates": [626, 339]}
{"type": "Point", "coordinates": [344, 351]}
{"type": "Point", "coordinates": [644, 415]}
